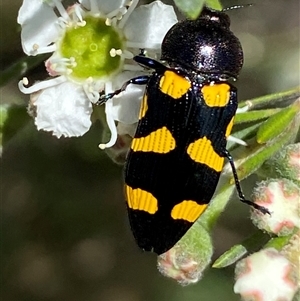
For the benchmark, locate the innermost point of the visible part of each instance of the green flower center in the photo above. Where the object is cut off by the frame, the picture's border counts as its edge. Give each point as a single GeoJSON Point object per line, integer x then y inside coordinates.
{"type": "Point", "coordinates": [90, 45]}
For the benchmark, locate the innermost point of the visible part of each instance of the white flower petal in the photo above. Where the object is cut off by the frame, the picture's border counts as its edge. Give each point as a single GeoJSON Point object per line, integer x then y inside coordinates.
{"type": "Point", "coordinates": [126, 106]}
{"type": "Point", "coordinates": [38, 22]}
{"type": "Point", "coordinates": [63, 109]}
{"type": "Point", "coordinates": [104, 6]}
{"type": "Point", "coordinates": [148, 24]}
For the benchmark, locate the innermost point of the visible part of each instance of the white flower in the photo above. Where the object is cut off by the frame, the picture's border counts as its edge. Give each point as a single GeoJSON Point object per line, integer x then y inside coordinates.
{"type": "Point", "coordinates": [266, 276]}
{"type": "Point", "coordinates": [92, 44]}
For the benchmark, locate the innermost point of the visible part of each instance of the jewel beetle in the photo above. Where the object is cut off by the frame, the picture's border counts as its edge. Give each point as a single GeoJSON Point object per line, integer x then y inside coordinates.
{"type": "Point", "coordinates": [187, 112]}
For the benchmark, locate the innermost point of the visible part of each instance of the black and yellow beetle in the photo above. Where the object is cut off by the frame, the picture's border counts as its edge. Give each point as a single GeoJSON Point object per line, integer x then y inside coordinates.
{"type": "Point", "coordinates": [186, 116]}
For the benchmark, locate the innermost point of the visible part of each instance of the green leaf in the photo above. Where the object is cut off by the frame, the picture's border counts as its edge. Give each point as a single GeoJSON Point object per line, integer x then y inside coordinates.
{"type": "Point", "coordinates": [3, 117]}
{"type": "Point", "coordinates": [279, 242]}
{"type": "Point", "coordinates": [272, 99]}
{"type": "Point", "coordinates": [19, 68]}
{"type": "Point", "coordinates": [243, 134]}
{"type": "Point", "coordinates": [190, 8]}
{"type": "Point", "coordinates": [250, 244]}
{"type": "Point", "coordinates": [297, 296]}
{"type": "Point", "coordinates": [3, 114]}
{"type": "Point", "coordinates": [14, 118]}
{"type": "Point", "coordinates": [256, 155]}
{"type": "Point", "coordinates": [198, 243]}
{"type": "Point", "coordinates": [229, 257]}
{"type": "Point", "coordinates": [214, 4]}
{"type": "Point", "coordinates": [252, 116]}
{"type": "Point", "coordinates": [276, 124]}
{"type": "Point", "coordinates": [216, 207]}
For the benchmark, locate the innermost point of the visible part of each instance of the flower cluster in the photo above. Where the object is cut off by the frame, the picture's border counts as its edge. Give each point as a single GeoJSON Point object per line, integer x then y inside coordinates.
{"type": "Point", "coordinates": [273, 272]}
{"type": "Point", "coordinates": [92, 44]}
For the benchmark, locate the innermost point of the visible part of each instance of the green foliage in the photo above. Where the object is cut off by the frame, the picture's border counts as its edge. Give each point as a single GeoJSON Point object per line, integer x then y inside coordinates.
{"type": "Point", "coordinates": [192, 8]}
{"type": "Point", "coordinates": [236, 252]}
{"type": "Point", "coordinates": [20, 67]}
{"type": "Point", "coordinates": [278, 123]}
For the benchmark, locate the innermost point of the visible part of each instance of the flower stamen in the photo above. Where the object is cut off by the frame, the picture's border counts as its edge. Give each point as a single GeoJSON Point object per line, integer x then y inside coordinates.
{"type": "Point", "coordinates": [131, 6]}
{"type": "Point", "coordinates": [40, 85]}
{"type": "Point", "coordinates": [114, 52]}
{"type": "Point", "coordinates": [36, 49]}
{"type": "Point", "coordinates": [117, 13]}
{"type": "Point", "coordinates": [110, 120]}
{"type": "Point", "coordinates": [75, 13]}
{"type": "Point", "coordinates": [108, 22]}
{"type": "Point", "coordinates": [112, 127]}
{"type": "Point", "coordinates": [62, 11]}
{"type": "Point", "coordinates": [126, 54]}
{"type": "Point", "coordinates": [92, 88]}
{"type": "Point", "coordinates": [56, 66]}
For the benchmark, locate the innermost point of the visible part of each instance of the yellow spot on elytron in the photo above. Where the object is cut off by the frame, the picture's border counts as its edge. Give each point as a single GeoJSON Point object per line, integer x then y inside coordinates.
{"type": "Point", "coordinates": [173, 84]}
{"type": "Point", "coordinates": [160, 141]}
{"type": "Point", "coordinates": [188, 210]}
{"type": "Point", "coordinates": [202, 151]}
{"type": "Point", "coordinates": [139, 199]}
{"type": "Point", "coordinates": [144, 107]}
{"type": "Point", "coordinates": [216, 95]}
{"type": "Point", "coordinates": [229, 127]}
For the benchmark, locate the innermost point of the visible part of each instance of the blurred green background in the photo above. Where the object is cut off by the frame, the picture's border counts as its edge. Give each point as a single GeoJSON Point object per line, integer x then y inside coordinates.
{"type": "Point", "coordinates": [65, 234]}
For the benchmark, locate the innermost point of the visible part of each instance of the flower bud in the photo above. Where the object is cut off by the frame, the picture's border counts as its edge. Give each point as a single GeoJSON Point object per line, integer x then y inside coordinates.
{"type": "Point", "coordinates": [282, 198]}
{"type": "Point", "coordinates": [265, 276]}
{"type": "Point", "coordinates": [285, 164]}
{"type": "Point", "coordinates": [186, 261]}
{"type": "Point", "coordinates": [291, 252]}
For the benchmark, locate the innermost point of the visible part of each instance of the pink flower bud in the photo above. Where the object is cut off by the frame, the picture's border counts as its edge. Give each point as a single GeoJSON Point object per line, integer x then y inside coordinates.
{"type": "Point", "coordinates": [282, 198]}
{"type": "Point", "coordinates": [265, 276]}
{"type": "Point", "coordinates": [186, 261]}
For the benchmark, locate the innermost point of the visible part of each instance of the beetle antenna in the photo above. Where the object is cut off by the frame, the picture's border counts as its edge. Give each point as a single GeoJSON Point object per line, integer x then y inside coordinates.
{"type": "Point", "coordinates": [236, 7]}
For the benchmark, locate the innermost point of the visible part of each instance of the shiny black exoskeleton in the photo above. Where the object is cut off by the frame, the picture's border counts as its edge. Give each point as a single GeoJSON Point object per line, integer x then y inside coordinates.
{"type": "Point", "coordinates": [170, 178]}
{"type": "Point", "coordinates": [205, 45]}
